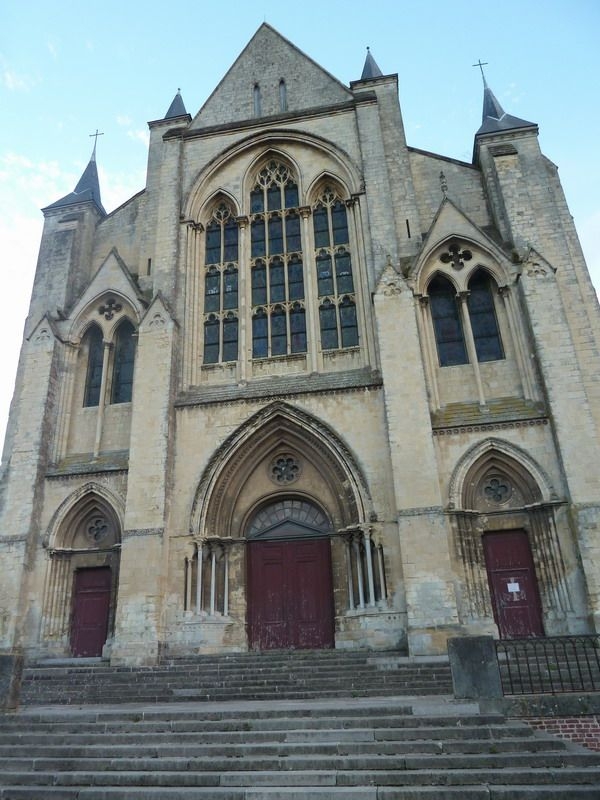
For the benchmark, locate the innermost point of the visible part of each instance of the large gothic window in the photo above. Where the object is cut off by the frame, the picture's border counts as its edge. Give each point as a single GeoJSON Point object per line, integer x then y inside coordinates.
{"type": "Point", "coordinates": [448, 312]}
{"type": "Point", "coordinates": [119, 365]}
{"type": "Point", "coordinates": [95, 351]}
{"type": "Point", "coordinates": [277, 273]}
{"type": "Point", "coordinates": [124, 355]}
{"type": "Point", "coordinates": [335, 282]}
{"type": "Point", "coordinates": [482, 314]}
{"type": "Point", "coordinates": [447, 324]}
{"type": "Point", "coordinates": [221, 287]}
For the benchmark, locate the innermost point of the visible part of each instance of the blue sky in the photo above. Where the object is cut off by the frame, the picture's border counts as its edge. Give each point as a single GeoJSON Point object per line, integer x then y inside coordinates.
{"type": "Point", "coordinates": [67, 69]}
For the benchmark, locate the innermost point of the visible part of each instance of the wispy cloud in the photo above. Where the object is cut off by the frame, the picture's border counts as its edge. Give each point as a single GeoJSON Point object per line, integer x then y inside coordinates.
{"type": "Point", "coordinates": [14, 82]}
{"type": "Point", "coordinates": [52, 48]}
{"type": "Point", "coordinates": [139, 136]}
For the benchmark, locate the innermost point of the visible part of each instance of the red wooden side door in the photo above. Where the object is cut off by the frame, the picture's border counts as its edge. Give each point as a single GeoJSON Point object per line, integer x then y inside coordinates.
{"type": "Point", "coordinates": [91, 605]}
{"type": "Point", "coordinates": [290, 598]}
{"type": "Point", "coordinates": [513, 584]}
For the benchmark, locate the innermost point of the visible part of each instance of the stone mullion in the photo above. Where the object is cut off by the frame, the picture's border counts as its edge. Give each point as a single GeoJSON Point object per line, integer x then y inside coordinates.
{"type": "Point", "coordinates": [225, 582]}
{"type": "Point", "coordinates": [428, 350]}
{"type": "Point", "coordinates": [470, 343]}
{"type": "Point", "coordinates": [359, 277]}
{"type": "Point", "coordinates": [213, 579]}
{"type": "Point", "coordinates": [103, 398]}
{"type": "Point", "coordinates": [314, 356]}
{"type": "Point", "coordinates": [348, 550]}
{"type": "Point", "coordinates": [188, 584]}
{"type": "Point", "coordinates": [381, 569]}
{"type": "Point", "coordinates": [369, 559]}
{"type": "Point", "coordinates": [359, 571]}
{"type": "Point", "coordinates": [200, 563]}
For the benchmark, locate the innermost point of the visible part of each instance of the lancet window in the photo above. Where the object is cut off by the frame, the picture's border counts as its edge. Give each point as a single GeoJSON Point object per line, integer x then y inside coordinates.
{"type": "Point", "coordinates": [113, 361]}
{"type": "Point", "coordinates": [277, 273]}
{"type": "Point", "coordinates": [221, 325]}
{"type": "Point", "coordinates": [457, 317]}
{"type": "Point", "coordinates": [335, 281]}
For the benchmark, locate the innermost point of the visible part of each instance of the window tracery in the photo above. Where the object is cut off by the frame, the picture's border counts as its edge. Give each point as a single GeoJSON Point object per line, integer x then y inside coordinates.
{"type": "Point", "coordinates": [221, 328]}
{"type": "Point", "coordinates": [277, 272]}
{"type": "Point", "coordinates": [458, 317]}
{"type": "Point", "coordinates": [118, 361]}
{"type": "Point", "coordinates": [335, 281]}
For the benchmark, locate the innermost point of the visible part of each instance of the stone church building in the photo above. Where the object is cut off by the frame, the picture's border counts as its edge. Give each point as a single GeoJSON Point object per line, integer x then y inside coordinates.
{"type": "Point", "coordinates": [311, 387]}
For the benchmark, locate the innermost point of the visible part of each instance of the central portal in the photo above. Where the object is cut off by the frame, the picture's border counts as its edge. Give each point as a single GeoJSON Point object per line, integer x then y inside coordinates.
{"type": "Point", "coordinates": [290, 594]}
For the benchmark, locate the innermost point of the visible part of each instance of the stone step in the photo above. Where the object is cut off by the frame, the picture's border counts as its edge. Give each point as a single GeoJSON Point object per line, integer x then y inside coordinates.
{"type": "Point", "coordinates": [247, 676]}
{"type": "Point", "coordinates": [278, 751]}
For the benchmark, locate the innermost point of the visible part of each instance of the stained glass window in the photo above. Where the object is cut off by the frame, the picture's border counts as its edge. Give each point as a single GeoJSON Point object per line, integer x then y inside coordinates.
{"type": "Point", "coordinates": [482, 313]}
{"type": "Point", "coordinates": [221, 287]}
{"type": "Point", "coordinates": [335, 282]}
{"type": "Point", "coordinates": [95, 352]}
{"type": "Point", "coordinates": [277, 275]}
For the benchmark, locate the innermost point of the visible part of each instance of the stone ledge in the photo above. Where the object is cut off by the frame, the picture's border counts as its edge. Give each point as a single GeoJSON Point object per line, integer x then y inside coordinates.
{"type": "Point", "coordinates": [281, 386]}
{"type": "Point", "coordinates": [85, 463]}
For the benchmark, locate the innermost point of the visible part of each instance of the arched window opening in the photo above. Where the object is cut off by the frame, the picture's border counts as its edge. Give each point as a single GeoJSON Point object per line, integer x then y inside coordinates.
{"type": "Point", "coordinates": [221, 287]}
{"type": "Point", "coordinates": [447, 324]}
{"type": "Point", "coordinates": [277, 273]}
{"type": "Point", "coordinates": [482, 313]}
{"type": "Point", "coordinates": [95, 353]}
{"type": "Point", "coordinates": [283, 106]}
{"type": "Point", "coordinates": [335, 282]}
{"type": "Point", "coordinates": [256, 100]}
{"type": "Point", "coordinates": [124, 358]}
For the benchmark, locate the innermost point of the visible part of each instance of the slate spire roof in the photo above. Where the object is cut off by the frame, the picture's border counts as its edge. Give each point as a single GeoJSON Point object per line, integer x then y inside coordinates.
{"type": "Point", "coordinates": [370, 69]}
{"type": "Point", "coordinates": [87, 189]}
{"type": "Point", "coordinates": [177, 107]}
{"type": "Point", "coordinates": [494, 119]}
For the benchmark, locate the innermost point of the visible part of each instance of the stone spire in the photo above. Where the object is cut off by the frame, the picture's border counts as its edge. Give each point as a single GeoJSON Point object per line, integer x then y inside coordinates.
{"type": "Point", "coordinates": [87, 189]}
{"type": "Point", "coordinates": [370, 69]}
{"type": "Point", "coordinates": [177, 107]}
{"type": "Point", "coordinates": [494, 119]}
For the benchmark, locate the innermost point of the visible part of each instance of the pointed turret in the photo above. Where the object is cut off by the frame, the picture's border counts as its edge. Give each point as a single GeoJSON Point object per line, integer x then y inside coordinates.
{"type": "Point", "coordinates": [370, 69]}
{"type": "Point", "coordinates": [87, 189]}
{"type": "Point", "coordinates": [494, 119]}
{"type": "Point", "coordinates": [177, 107]}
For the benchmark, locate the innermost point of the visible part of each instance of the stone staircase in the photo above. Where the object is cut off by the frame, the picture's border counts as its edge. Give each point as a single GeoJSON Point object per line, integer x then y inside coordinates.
{"type": "Point", "coordinates": [299, 675]}
{"type": "Point", "coordinates": [361, 749]}
{"type": "Point", "coordinates": [276, 726]}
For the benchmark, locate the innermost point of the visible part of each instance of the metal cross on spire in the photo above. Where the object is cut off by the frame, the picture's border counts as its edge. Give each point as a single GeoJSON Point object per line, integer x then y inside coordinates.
{"type": "Point", "coordinates": [95, 135]}
{"type": "Point", "coordinates": [481, 64]}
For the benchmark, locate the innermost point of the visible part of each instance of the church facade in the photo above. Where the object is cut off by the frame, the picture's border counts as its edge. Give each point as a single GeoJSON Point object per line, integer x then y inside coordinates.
{"type": "Point", "coordinates": [309, 388]}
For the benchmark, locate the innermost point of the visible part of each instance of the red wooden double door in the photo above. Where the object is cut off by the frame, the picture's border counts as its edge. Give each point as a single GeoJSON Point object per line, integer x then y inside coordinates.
{"type": "Point", "coordinates": [290, 598]}
{"type": "Point", "coordinates": [513, 584]}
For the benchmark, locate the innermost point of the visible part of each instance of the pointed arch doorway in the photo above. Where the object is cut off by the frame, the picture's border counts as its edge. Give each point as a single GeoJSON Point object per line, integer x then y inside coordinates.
{"type": "Point", "coordinates": [289, 579]}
